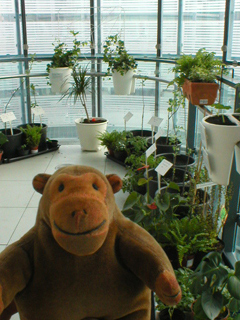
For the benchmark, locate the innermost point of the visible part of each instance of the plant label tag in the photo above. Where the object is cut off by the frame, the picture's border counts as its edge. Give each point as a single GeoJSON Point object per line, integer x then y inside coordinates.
{"type": "Point", "coordinates": [158, 134]}
{"type": "Point", "coordinates": [206, 159]}
{"type": "Point", "coordinates": [155, 121]}
{"type": "Point", "coordinates": [7, 117]}
{"type": "Point", "coordinates": [203, 135]}
{"type": "Point", "coordinates": [163, 167]}
{"type": "Point", "coordinates": [203, 101]}
{"type": "Point", "coordinates": [150, 150]}
{"type": "Point", "coordinates": [38, 111]}
{"type": "Point", "coordinates": [128, 116]}
{"type": "Point", "coordinates": [205, 185]}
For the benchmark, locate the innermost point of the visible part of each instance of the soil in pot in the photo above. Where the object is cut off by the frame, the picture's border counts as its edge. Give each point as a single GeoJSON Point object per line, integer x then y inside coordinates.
{"type": "Point", "coordinates": [164, 144]}
{"type": "Point", "coordinates": [14, 141]}
{"type": "Point", "coordinates": [220, 120]}
{"type": "Point", "coordinates": [177, 315]}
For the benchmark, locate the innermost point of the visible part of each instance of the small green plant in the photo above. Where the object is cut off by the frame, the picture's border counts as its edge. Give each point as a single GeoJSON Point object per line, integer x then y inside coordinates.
{"type": "Point", "coordinates": [203, 67]}
{"type": "Point", "coordinates": [80, 87]}
{"type": "Point", "coordinates": [63, 56]}
{"type": "Point", "coordinates": [111, 139]}
{"type": "Point", "coordinates": [33, 135]}
{"type": "Point", "coordinates": [115, 54]}
{"type": "Point", "coordinates": [3, 139]}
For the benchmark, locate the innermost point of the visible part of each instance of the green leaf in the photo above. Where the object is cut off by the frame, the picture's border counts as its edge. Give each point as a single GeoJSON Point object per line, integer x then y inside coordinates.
{"type": "Point", "coordinates": [212, 303]}
{"type": "Point", "coordinates": [198, 310]}
{"type": "Point", "coordinates": [174, 186]}
{"type": "Point", "coordinates": [234, 305]}
{"type": "Point", "coordinates": [163, 201]}
{"type": "Point", "coordinates": [142, 181]}
{"type": "Point", "coordinates": [237, 269]}
{"type": "Point", "coordinates": [131, 200]}
{"type": "Point", "coordinates": [234, 287]}
{"type": "Point", "coordinates": [139, 216]}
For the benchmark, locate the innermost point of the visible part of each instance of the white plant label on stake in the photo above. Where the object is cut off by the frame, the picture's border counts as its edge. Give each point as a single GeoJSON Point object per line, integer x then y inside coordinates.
{"type": "Point", "coordinates": [203, 135]}
{"type": "Point", "coordinates": [126, 118]}
{"type": "Point", "coordinates": [150, 150]}
{"type": "Point", "coordinates": [37, 111]}
{"type": "Point", "coordinates": [205, 159]}
{"type": "Point", "coordinates": [7, 117]}
{"type": "Point", "coordinates": [163, 167]}
{"type": "Point", "coordinates": [205, 185]}
{"type": "Point", "coordinates": [155, 121]}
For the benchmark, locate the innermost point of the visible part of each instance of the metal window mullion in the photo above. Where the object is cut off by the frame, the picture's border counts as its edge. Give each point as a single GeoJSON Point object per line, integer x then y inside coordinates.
{"type": "Point", "coordinates": [180, 25]}
{"type": "Point", "coordinates": [92, 41]}
{"type": "Point", "coordinates": [158, 47]}
{"type": "Point", "coordinates": [26, 64]}
{"type": "Point", "coordinates": [99, 61]}
{"type": "Point", "coordinates": [226, 30]}
{"type": "Point", "coordinates": [19, 51]}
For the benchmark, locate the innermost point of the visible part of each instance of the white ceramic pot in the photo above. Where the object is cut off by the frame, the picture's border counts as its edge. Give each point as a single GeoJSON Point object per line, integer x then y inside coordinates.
{"type": "Point", "coordinates": [88, 134]}
{"type": "Point", "coordinates": [60, 79]}
{"type": "Point", "coordinates": [219, 142]}
{"type": "Point", "coordinates": [123, 84]}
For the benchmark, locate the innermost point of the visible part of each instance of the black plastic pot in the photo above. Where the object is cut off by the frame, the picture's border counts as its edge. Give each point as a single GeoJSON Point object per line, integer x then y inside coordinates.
{"type": "Point", "coordinates": [179, 176]}
{"type": "Point", "coordinates": [179, 160]}
{"type": "Point", "coordinates": [164, 145]}
{"type": "Point", "coordinates": [14, 141]}
{"type": "Point", "coordinates": [52, 144]}
{"type": "Point", "coordinates": [22, 152]}
{"type": "Point", "coordinates": [120, 155]}
{"type": "Point", "coordinates": [142, 133]}
{"type": "Point", "coordinates": [43, 142]}
{"type": "Point", "coordinates": [177, 315]}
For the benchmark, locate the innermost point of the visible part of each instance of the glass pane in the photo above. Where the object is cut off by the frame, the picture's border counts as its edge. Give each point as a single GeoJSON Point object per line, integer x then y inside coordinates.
{"type": "Point", "coordinates": [203, 25]}
{"type": "Point", "coordinates": [135, 21]}
{"type": "Point", "coordinates": [7, 28]}
{"type": "Point", "coordinates": [49, 20]}
{"type": "Point", "coordinates": [235, 32]}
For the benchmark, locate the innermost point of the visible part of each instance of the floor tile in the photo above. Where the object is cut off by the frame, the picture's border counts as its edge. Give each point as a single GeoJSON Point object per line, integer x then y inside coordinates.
{"type": "Point", "coordinates": [25, 169]}
{"type": "Point", "coordinates": [34, 201]}
{"type": "Point", "coordinates": [9, 218]}
{"type": "Point", "coordinates": [15, 194]}
{"type": "Point", "coordinates": [26, 223]}
{"type": "Point", "coordinates": [2, 247]}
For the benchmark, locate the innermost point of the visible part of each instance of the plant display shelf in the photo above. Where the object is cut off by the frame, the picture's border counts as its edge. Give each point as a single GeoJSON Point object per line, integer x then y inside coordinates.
{"type": "Point", "coordinates": [30, 155]}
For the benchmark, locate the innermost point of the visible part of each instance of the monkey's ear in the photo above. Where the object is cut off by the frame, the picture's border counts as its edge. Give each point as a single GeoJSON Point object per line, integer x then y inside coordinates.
{"type": "Point", "coordinates": [115, 181]}
{"type": "Point", "coordinates": [39, 181]}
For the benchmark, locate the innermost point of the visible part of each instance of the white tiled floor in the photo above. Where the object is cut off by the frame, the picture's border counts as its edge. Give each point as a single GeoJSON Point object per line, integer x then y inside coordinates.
{"type": "Point", "coordinates": [19, 201]}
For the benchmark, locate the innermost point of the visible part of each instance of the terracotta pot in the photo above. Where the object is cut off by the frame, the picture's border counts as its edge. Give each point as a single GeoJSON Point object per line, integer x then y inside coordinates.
{"type": "Point", "coordinates": [1, 154]}
{"type": "Point", "coordinates": [34, 150]}
{"type": "Point", "coordinates": [199, 93]}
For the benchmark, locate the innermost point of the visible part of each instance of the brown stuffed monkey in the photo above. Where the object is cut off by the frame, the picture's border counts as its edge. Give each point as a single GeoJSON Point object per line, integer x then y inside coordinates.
{"type": "Point", "coordinates": [83, 259]}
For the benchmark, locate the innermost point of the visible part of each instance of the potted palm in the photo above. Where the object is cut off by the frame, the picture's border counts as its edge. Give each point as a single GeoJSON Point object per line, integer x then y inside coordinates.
{"type": "Point", "coordinates": [88, 128]}
{"type": "Point", "coordinates": [63, 60]}
{"type": "Point", "coordinates": [121, 64]}
{"type": "Point", "coordinates": [3, 139]}
{"type": "Point", "coordinates": [33, 137]}
{"type": "Point", "coordinates": [197, 76]}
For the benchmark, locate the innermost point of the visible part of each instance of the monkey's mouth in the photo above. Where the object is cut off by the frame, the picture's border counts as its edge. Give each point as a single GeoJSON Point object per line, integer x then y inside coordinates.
{"type": "Point", "coordinates": [79, 233]}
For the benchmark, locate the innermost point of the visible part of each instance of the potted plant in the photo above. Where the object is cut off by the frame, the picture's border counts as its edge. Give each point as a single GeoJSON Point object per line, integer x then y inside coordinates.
{"type": "Point", "coordinates": [217, 288]}
{"type": "Point", "coordinates": [121, 64]}
{"type": "Point", "coordinates": [183, 309]}
{"type": "Point", "coordinates": [33, 137]}
{"type": "Point", "coordinates": [52, 143]}
{"type": "Point", "coordinates": [3, 139]}
{"type": "Point", "coordinates": [63, 61]}
{"type": "Point", "coordinates": [23, 150]}
{"type": "Point", "coordinates": [197, 76]}
{"type": "Point", "coordinates": [220, 135]}
{"type": "Point", "coordinates": [88, 129]}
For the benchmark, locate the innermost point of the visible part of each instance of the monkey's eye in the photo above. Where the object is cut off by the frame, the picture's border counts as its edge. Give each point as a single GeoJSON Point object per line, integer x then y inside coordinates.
{"type": "Point", "coordinates": [95, 186]}
{"type": "Point", "coordinates": [61, 187]}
